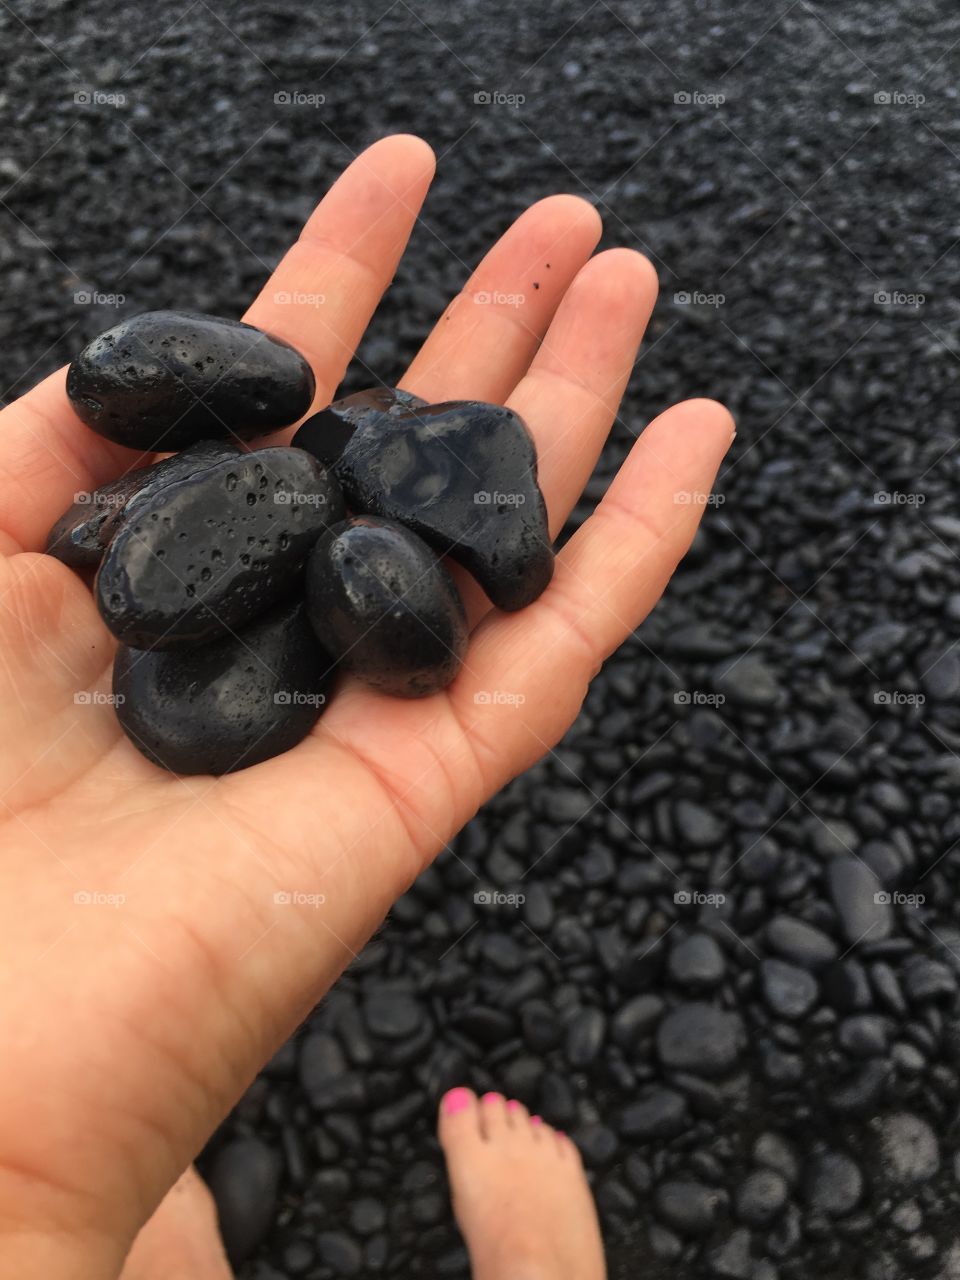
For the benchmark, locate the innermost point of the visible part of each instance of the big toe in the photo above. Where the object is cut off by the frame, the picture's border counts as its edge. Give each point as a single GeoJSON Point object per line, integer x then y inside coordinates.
{"type": "Point", "coordinates": [459, 1121]}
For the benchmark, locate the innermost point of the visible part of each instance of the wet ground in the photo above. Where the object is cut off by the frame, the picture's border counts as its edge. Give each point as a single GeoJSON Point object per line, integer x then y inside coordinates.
{"type": "Point", "coordinates": [734, 978]}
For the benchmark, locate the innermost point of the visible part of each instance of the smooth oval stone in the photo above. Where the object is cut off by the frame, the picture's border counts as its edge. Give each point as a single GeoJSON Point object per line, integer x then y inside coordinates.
{"type": "Point", "coordinates": [229, 704]}
{"type": "Point", "coordinates": [83, 532]}
{"type": "Point", "coordinates": [208, 554]}
{"type": "Point", "coordinates": [462, 475]}
{"type": "Point", "coordinates": [383, 605]}
{"type": "Point", "coordinates": [165, 379]}
{"type": "Point", "coordinates": [325, 434]}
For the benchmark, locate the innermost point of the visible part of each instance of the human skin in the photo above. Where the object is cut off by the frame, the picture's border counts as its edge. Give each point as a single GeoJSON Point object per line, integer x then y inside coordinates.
{"type": "Point", "coordinates": [133, 1022]}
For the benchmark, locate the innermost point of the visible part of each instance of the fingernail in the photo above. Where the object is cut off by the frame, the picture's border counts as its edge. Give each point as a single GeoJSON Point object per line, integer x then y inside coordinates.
{"type": "Point", "coordinates": [456, 1100]}
{"type": "Point", "coordinates": [490, 1097]}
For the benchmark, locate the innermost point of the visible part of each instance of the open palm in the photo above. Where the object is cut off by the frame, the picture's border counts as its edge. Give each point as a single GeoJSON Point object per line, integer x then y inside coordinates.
{"type": "Point", "coordinates": [161, 936]}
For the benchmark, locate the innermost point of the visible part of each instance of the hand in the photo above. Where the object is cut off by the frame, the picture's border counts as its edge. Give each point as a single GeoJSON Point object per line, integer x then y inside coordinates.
{"type": "Point", "coordinates": [150, 969]}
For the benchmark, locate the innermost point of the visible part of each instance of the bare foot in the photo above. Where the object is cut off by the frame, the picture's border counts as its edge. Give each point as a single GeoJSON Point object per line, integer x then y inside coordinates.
{"type": "Point", "coordinates": [519, 1192]}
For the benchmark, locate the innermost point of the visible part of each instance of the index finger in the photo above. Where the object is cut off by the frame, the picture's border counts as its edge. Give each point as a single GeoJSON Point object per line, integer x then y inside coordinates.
{"type": "Point", "coordinates": [346, 255]}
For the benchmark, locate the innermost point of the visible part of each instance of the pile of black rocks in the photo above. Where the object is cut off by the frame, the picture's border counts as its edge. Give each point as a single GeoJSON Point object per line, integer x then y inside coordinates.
{"type": "Point", "coordinates": [733, 977]}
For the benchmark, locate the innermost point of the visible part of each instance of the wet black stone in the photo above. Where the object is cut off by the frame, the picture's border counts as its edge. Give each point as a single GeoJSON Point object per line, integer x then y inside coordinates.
{"type": "Point", "coordinates": [325, 434]}
{"type": "Point", "coordinates": [385, 607]}
{"type": "Point", "coordinates": [585, 1037]}
{"type": "Point", "coordinates": [748, 682]}
{"type": "Point", "coordinates": [862, 1035]}
{"type": "Point", "coordinates": [731, 1260]}
{"type": "Point", "coordinates": [689, 1208]}
{"type": "Point", "coordinates": [832, 1184]}
{"type": "Point", "coordinates": [598, 1144]}
{"type": "Point", "coordinates": [858, 897]}
{"type": "Point", "coordinates": [83, 533]}
{"type": "Point", "coordinates": [800, 942]}
{"type": "Point", "coordinates": [861, 1091]}
{"type": "Point", "coordinates": [244, 1179]}
{"type": "Point", "coordinates": [773, 1151]}
{"type": "Point", "coordinates": [661, 1113]}
{"type": "Point", "coordinates": [760, 1197]}
{"type": "Point", "coordinates": [696, 962]}
{"type": "Point", "coordinates": [541, 1026]}
{"type": "Point", "coordinates": [462, 475]}
{"type": "Point", "coordinates": [368, 1216]}
{"type": "Point", "coordinates": [696, 826]}
{"type": "Point", "coordinates": [342, 1255]}
{"type": "Point", "coordinates": [846, 986]}
{"type": "Point", "coordinates": [394, 1015]}
{"type": "Point", "coordinates": [204, 556]}
{"type": "Point", "coordinates": [165, 379]}
{"type": "Point", "coordinates": [789, 991]}
{"type": "Point", "coordinates": [927, 980]}
{"type": "Point", "coordinates": [635, 1019]}
{"type": "Point", "coordinates": [909, 1148]}
{"type": "Point", "coordinates": [226, 705]}
{"type": "Point", "coordinates": [701, 1039]}
{"type": "Point", "coordinates": [664, 1243]}
{"type": "Point", "coordinates": [321, 1062]}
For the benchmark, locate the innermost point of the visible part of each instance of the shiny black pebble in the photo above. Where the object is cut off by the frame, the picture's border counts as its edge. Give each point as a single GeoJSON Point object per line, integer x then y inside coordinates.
{"type": "Point", "coordinates": [165, 379]}
{"type": "Point", "coordinates": [208, 554]}
{"type": "Point", "coordinates": [463, 475]}
{"type": "Point", "coordinates": [83, 532]}
{"type": "Point", "coordinates": [384, 606]}
{"type": "Point", "coordinates": [325, 434]}
{"type": "Point", "coordinates": [229, 704]}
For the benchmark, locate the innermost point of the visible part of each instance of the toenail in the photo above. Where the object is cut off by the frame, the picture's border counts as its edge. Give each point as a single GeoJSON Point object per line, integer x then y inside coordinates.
{"type": "Point", "coordinates": [536, 1120]}
{"type": "Point", "coordinates": [456, 1100]}
{"type": "Point", "coordinates": [513, 1105]}
{"type": "Point", "coordinates": [490, 1097]}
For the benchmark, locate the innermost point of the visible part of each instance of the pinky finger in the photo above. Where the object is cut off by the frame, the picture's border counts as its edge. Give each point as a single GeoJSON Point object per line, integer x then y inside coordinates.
{"type": "Point", "coordinates": [608, 578]}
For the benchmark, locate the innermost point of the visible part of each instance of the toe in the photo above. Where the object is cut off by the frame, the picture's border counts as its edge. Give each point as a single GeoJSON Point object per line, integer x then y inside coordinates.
{"type": "Point", "coordinates": [493, 1116]}
{"type": "Point", "coordinates": [459, 1120]}
{"type": "Point", "coordinates": [518, 1117]}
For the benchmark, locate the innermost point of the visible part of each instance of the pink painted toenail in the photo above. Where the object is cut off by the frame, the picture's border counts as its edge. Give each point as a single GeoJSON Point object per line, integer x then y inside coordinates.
{"type": "Point", "coordinates": [456, 1100]}
{"type": "Point", "coordinates": [490, 1097]}
{"type": "Point", "coordinates": [536, 1120]}
{"type": "Point", "coordinates": [513, 1105]}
